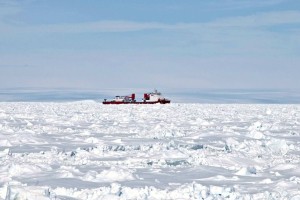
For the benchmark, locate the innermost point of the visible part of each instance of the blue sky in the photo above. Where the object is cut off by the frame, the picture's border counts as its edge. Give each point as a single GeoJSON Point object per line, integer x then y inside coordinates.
{"type": "Point", "coordinates": [212, 44]}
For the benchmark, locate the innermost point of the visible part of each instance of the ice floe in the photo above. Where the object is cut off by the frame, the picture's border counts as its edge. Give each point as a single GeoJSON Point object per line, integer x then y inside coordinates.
{"type": "Point", "coordinates": [86, 150]}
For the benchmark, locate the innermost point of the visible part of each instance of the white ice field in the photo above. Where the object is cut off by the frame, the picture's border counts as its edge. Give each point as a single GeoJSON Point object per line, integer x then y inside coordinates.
{"type": "Point", "coordinates": [86, 150]}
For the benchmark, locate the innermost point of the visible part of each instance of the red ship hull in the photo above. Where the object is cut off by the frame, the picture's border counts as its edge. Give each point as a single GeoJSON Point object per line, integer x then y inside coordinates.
{"type": "Point", "coordinates": [138, 102]}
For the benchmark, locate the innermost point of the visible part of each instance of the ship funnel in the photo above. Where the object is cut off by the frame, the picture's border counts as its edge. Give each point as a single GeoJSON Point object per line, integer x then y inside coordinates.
{"type": "Point", "coordinates": [146, 96]}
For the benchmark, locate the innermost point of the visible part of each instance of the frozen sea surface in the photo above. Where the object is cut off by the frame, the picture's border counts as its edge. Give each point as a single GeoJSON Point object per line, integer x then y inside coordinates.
{"type": "Point", "coordinates": [86, 150]}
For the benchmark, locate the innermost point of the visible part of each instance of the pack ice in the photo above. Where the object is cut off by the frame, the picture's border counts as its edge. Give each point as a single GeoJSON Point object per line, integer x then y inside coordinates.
{"type": "Point", "coordinates": [86, 150]}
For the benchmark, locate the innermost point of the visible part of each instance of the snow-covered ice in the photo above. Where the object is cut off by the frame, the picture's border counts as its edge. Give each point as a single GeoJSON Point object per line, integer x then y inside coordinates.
{"type": "Point", "coordinates": [86, 150]}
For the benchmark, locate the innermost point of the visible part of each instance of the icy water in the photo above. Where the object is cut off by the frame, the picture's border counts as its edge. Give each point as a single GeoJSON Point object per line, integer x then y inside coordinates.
{"type": "Point", "coordinates": [177, 96]}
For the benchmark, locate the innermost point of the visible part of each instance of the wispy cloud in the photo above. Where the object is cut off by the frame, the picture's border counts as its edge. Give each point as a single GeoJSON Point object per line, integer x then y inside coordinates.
{"type": "Point", "coordinates": [260, 19]}
{"type": "Point", "coordinates": [241, 35]}
{"type": "Point", "coordinates": [233, 4]}
{"type": "Point", "coordinates": [250, 21]}
{"type": "Point", "coordinates": [7, 9]}
{"type": "Point", "coordinates": [100, 26]}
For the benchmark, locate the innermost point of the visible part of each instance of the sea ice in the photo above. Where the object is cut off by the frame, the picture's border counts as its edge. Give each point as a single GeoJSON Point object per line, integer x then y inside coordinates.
{"type": "Point", "coordinates": [86, 150]}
